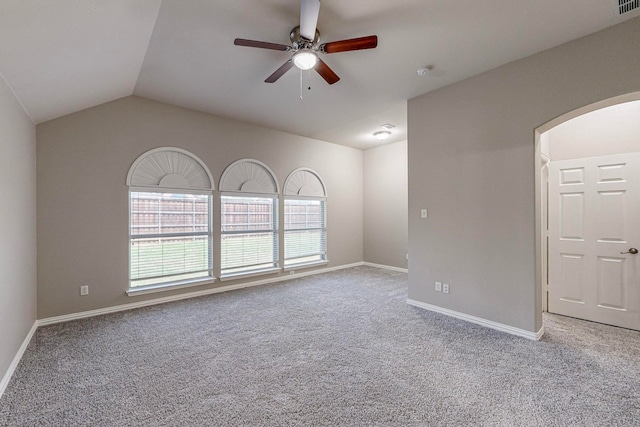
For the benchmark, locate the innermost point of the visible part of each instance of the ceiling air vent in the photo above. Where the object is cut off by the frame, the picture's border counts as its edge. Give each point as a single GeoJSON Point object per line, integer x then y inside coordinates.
{"type": "Point", "coordinates": [626, 6]}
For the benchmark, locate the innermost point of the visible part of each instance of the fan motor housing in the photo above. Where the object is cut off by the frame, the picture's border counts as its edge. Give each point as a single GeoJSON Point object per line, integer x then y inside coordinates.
{"type": "Point", "coordinates": [300, 42]}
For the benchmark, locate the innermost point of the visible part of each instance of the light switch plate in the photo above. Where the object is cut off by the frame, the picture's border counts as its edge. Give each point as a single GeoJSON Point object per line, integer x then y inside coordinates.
{"type": "Point", "coordinates": [423, 213]}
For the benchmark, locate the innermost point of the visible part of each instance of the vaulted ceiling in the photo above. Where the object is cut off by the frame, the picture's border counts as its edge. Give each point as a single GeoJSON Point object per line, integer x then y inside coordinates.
{"type": "Point", "coordinates": [63, 56]}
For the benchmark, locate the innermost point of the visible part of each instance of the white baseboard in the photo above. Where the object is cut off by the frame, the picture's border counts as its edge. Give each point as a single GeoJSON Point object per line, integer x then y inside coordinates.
{"type": "Point", "coordinates": [16, 360]}
{"type": "Point", "coordinates": [155, 301]}
{"type": "Point", "coordinates": [386, 267]}
{"type": "Point", "coordinates": [534, 336]}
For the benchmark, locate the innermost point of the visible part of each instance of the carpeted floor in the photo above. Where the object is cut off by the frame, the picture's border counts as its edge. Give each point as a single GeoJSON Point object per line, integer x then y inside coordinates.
{"type": "Point", "coordinates": [339, 349]}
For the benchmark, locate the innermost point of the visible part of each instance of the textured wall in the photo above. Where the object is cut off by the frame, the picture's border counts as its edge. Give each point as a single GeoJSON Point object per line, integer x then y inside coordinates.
{"type": "Point", "coordinates": [385, 205]}
{"type": "Point", "coordinates": [471, 163]}
{"type": "Point", "coordinates": [83, 160]}
{"type": "Point", "coordinates": [17, 226]}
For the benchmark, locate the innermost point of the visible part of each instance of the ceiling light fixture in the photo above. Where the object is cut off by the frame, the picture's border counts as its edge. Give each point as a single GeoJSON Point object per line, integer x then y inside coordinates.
{"type": "Point", "coordinates": [305, 59]}
{"type": "Point", "coordinates": [382, 135]}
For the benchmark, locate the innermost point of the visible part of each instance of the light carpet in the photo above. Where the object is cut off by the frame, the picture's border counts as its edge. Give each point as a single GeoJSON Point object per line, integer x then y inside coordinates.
{"type": "Point", "coordinates": [338, 349]}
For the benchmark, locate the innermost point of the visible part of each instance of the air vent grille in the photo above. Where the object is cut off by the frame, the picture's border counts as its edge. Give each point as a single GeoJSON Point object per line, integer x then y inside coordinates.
{"type": "Point", "coordinates": [626, 6]}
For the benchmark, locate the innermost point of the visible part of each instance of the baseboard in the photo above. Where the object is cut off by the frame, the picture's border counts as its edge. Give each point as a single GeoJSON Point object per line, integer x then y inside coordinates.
{"type": "Point", "coordinates": [534, 336]}
{"type": "Point", "coordinates": [16, 360]}
{"type": "Point", "coordinates": [178, 297]}
{"type": "Point", "coordinates": [386, 267]}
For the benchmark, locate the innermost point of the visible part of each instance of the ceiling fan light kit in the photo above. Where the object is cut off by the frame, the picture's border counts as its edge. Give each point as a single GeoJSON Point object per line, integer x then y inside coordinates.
{"type": "Point", "coordinates": [305, 46]}
{"type": "Point", "coordinates": [305, 59]}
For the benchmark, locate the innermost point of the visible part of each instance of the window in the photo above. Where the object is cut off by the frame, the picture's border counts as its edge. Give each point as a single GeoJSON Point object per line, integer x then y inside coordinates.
{"type": "Point", "coordinates": [170, 238]}
{"type": "Point", "coordinates": [305, 219]}
{"type": "Point", "coordinates": [249, 219]}
{"type": "Point", "coordinates": [305, 232]}
{"type": "Point", "coordinates": [170, 233]}
{"type": "Point", "coordinates": [249, 240]}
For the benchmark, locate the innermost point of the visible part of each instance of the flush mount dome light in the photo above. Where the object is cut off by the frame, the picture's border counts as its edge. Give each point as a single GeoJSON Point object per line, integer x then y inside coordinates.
{"type": "Point", "coordinates": [305, 59]}
{"type": "Point", "coordinates": [382, 135]}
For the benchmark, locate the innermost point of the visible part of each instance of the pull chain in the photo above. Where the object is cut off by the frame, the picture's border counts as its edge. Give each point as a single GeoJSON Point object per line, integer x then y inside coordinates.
{"type": "Point", "coordinates": [302, 82]}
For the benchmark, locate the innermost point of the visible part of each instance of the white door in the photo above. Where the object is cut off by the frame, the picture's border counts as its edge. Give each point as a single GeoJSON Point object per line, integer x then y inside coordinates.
{"type": "Point", "coordinates": [594, 224]}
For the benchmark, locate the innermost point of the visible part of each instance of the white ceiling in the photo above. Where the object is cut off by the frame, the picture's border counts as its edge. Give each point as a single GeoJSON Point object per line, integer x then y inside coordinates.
{"type": "Point", "coordinates": [67, 55]}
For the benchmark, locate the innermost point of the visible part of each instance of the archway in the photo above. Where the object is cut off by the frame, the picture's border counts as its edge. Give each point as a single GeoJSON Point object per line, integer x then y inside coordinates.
{"type": "Point", "coordinates": [559, 129]}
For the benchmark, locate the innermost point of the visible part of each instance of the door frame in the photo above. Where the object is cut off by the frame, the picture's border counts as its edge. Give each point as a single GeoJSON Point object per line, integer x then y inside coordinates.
{"type": "Point", "coordinates": [540, 225]}
{"type": "Point", "coordinates": [544, 230]}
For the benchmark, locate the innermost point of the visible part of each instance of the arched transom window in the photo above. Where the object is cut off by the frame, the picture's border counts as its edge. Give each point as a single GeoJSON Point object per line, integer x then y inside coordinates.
{"type": "Point", "coordinates": [170, 237]}
{"type": "Point", "coordinates": [305, 219]}
{"type": "Point", "coordinates": [249, 219]}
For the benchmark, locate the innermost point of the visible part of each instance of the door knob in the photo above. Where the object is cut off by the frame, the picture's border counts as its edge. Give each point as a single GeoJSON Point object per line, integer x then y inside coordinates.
{"type": "Point", "coordinates": [631, 251]}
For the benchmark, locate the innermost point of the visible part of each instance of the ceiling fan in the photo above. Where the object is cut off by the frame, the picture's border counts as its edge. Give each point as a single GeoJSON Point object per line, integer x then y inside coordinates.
{"type": "Point", "coordinates": [305, 45]}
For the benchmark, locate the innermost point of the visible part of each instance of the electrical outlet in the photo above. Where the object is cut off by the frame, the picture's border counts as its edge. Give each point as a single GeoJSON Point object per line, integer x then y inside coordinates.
{"type": "Point", "coordinates": [406, 256]}
{"type": "Point", "coordinates": [438, 286]}
{"type": "Point", "coordinates": [84, 290]}
{"type": "Point", "coordinates": [445, 288]}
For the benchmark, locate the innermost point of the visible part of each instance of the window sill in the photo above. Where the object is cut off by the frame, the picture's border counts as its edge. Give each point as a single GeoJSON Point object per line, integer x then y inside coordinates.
{"type": "Point", "coordinates": [251, 273]}
{"type": "Point", "coordinates": [142, 290]}
{"type": "Point", "coordinates": [306, 265]}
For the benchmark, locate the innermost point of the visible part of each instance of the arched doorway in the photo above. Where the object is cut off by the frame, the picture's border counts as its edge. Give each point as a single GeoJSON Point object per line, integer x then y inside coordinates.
{"type": "Point", "coordinates": [588, 199]}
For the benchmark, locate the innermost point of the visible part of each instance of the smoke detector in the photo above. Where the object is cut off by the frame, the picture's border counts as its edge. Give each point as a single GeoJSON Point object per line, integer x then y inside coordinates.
{"type": "Point", "coordinates": [425, 71]}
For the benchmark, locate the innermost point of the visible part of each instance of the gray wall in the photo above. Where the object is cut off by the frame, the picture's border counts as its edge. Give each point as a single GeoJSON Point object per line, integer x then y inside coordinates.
{"type": "Point", "coordinates": [612, 130]}
{"type": "Point", "coordinates": [17, 226]}
{"type": "Point", "coordinates": [385, 205]}
{"type": "Point", "coordinates": [83, 160]}
{"type": "Point", "coordinates": [471, 163]}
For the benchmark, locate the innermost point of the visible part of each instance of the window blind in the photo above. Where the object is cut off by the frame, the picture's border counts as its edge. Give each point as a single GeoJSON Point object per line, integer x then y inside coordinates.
{"type": "Point", "coordinates": [170, 237]}
{"type": "Point", "coordinates": [249, 234]}
{"type": "Point", "coordinates": [305, 235]}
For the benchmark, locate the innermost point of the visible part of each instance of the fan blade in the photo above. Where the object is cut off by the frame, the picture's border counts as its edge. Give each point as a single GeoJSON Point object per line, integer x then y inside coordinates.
{"type": "Point", "coordinates": [262, 45]}
{"type": "Point", "coordinates": [279, 72]}
{"type": "Point", "coordinates": [360, 43]}
{"type": "Point", "coordinates": [327, 73]}
{"type": "Point", "coordinates": [309, 11]}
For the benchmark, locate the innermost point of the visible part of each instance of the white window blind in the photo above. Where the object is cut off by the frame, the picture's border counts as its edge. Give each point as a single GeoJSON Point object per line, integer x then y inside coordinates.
{"type": "Point", "coordinates": [170, 238]}
{"type": "Point", "coordinates": [305, 231]}
{"type": "Point", "coordinates": [249, 234]}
